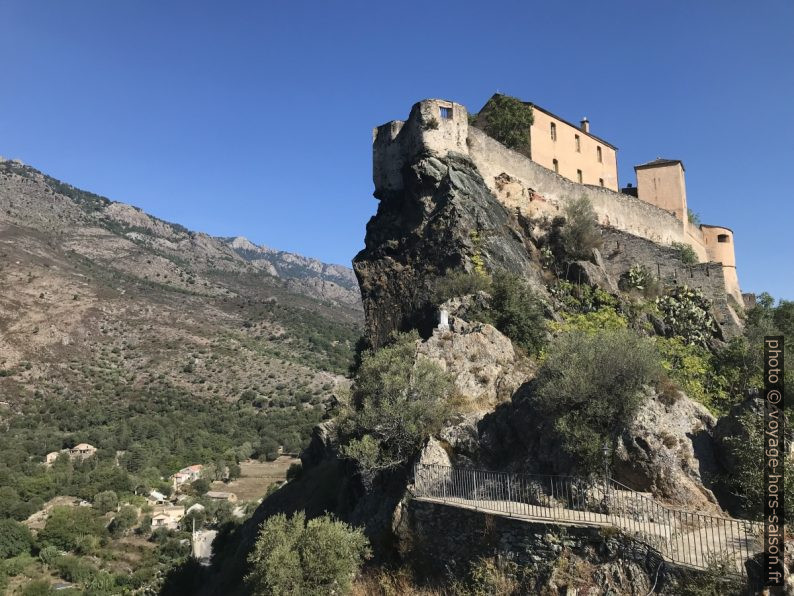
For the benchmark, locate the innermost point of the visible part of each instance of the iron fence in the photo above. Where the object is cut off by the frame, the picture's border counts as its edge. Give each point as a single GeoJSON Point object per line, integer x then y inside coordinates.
{"type": "Point", "coordinates": [683, 537]}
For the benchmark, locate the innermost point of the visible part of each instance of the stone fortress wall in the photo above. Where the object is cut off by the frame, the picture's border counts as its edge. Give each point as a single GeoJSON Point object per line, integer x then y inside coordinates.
{"type": "Point", "coordinates": [519, 183]}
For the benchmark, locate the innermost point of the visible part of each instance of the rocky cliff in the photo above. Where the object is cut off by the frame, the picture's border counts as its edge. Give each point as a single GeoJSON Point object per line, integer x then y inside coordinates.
{"type": "Point", "coordinates": [445, 219]}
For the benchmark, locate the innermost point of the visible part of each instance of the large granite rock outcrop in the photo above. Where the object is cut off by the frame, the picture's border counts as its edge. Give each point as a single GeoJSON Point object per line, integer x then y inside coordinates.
{"type": "Point", "coordinates": [667, 450]}
{"type": "Point", "coordinates": [483, 364]}
{"type": "Point", "coordinates": [444, 219]}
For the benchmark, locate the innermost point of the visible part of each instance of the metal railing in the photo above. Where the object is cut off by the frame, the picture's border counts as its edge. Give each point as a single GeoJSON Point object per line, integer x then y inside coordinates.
{"type": "Point", "coordinates": [682, 537]}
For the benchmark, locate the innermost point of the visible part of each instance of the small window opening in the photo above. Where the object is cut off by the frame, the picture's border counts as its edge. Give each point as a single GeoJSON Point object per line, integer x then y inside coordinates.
{"type": "Point", "coordinates": [598, 154]}
{"type": "Point", "coordinates": [579, 176]}
{"type": "Point", "coordinates": [723, 238]}
{"type": "Point", "coordinates": [578, 143]}
{"type": "Point", "coordinates": [556, 166]}
{"type": "Point", "coordinates": [446, 113]}
{"type": "Point", "coordinates": [601, 182]}
{"type": "Point", "coordinates": [553, 131]}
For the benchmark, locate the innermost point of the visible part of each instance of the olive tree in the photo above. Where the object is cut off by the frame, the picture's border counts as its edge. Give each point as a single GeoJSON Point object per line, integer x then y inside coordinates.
{"type": "Point", "coordinates": [398, 401]}
{"type": "Point", "coordinates": [294, 557]}
{"type": "Point", "coordinates": [590, 385]}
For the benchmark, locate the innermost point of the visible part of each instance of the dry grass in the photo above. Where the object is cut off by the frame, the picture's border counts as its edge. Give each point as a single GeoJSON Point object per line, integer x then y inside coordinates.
{"type": "Point", "coordinates": [379, 582]}
{"type": "Point", "coordinates": [255, 477]}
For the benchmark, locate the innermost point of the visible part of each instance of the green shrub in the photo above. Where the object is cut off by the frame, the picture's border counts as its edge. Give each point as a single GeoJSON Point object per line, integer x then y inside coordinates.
{"type": "Point", "coordinates": [67, 527]}
{"type": "Point", "coordinates": [106, 501]}
{"type": "Point", "coordinates": [507, 119]}
{"type": "Point", "coordinates": [397, 402]}
{"type": "Point", "coordinates": [49, 554]}
{"type": "Point", "coordinates": [489, 576]}
{"type": "Point", "coordinates": [123, 521]}
{"type": "Point", "coordinates": [687, 314]}
{"type": "Point", "coordinates": [590, 385]}
{"type": "Point", "coordinates": [517, 312]}
{"type": "Point", "coordinates": [746, 478]}
{"type": "Point", "coordinates": [693, 217]}
{"type": "Point", "coordinates": [686, 253]}
{"type": "Point", "coordinates": [15, 538]}
{"type": "Point", "coordinates": [603, 319]}
{"type": "Point", "coordinates": [16, 565]}
{"type": "Point", "coordinates": [692, 368]}
{"type": "Point", "coordinates": [718, 579]}
{"type": "Point", "coordinates": [293, 557]}
{"type": "Point", "coordinates": [459, 283]}
{"type": "Point", "coordinates": [640, 278]}
{"type": "Point", "coordinates": [74, 569]}
{"type": "Point", "coordinates": [580, 234]}
{"type": "Point", "coordinates": [582, 298]}
{"type": "Point", "coordinates": [38, 587]}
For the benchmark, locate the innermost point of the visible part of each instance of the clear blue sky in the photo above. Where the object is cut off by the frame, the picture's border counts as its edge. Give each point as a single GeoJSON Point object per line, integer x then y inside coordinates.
{"type": "Point", "coordinates": [254, 118]}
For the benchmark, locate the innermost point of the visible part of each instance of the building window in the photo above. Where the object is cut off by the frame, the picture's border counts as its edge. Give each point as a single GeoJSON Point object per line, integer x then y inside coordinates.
{"type": "Point", "coordinates": [598, 154]}
{"type": "Point", "coordinates": [723, 238]}
{"type": "Point", "coordinates": [553, 131]}
{"type": "Point", "coordinates": [446, 113]}
{"type": "Point", "coordinates": [579, 176]}
{"type": "Point", "coordinates": [556, 166]}
{"type": "Point", "coordinates": [601, 182]}
{"type": "Point", "coordinates": [578, 143]}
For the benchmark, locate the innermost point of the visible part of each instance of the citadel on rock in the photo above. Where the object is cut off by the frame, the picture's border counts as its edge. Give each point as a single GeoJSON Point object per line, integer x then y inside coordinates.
{"type": "Point", "coordinates": [561, 163]}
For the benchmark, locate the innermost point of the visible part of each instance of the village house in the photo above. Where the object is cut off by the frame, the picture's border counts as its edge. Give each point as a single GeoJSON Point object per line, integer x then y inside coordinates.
{"type": "Point", "coordinates": [80, 451]}
{"type": "Point", "coordinates": [167, 517]}
{"type": "Point", "coordinates": [186, 475]}
{"type": "Point", "coordinates": [218, 495]}
{"type": "Point", "coordinates": [156, 497]}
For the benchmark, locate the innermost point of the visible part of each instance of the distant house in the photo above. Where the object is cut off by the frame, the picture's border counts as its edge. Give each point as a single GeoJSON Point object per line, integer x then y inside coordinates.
{"type": "Point", "coordinates": [167, 517]}
{"type": "Point", "coordinates": [186, 475]}
{"type": "Point", "coordinates": [157, 497]}
{"type": "Point", "coordinates": [218, 495]}
{"type": "Point", "coordinates": [81, 451]}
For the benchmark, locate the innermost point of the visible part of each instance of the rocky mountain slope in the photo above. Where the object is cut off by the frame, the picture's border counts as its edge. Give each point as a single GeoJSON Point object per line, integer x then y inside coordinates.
{"type": "Point", "coordinates": [303, 274]}
{"type": "Point", "coordinates": [96, 294]}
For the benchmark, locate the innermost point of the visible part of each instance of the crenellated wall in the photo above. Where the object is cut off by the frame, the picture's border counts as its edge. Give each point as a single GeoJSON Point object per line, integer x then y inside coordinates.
{"type": "Point", "coordinates": [522, 184]}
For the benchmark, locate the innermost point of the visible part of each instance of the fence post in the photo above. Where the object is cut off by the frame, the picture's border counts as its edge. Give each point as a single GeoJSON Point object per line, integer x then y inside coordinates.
{"type": "Point", "coordinates": [509, 498]}
{"type": "Point", "coordinates": [474, 482]}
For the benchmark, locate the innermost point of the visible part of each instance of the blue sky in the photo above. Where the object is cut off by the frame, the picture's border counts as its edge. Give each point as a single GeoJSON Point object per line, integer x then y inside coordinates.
{"type": "Point", "coordinates": [254, 118]}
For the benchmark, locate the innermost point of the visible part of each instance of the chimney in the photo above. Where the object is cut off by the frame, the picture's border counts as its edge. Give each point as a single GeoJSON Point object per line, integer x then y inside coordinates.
{"type": "Point", "coordinates": [585, 124]}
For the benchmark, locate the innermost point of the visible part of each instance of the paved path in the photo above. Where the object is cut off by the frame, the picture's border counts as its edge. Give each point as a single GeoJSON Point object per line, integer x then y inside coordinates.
{"type": "Point", "coordinates": [202, 545]}
{"type": "Point", "coordinates": [686, 539]}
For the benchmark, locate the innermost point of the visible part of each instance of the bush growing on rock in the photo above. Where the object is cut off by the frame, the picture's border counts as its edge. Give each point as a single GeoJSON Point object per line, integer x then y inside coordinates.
{"type": "Point", "coordinates": [590, 385]}
{"type": "Point", "coordinates": [580, 234]}
{"type": "Point", "coordinates": [397, 402]}
{"type": "Point", "coordinates": [746, 478]}
{"type": "Point", "coordinates": [315, 558]}
{"type": "Point", "coordinates": [686, 253]}
{"type": "Point", "coordinates": [517, 312]}
{"type": "Point", "coordinates": [687, 314]}
{"type": "Point", "coordinates": [460, 283]}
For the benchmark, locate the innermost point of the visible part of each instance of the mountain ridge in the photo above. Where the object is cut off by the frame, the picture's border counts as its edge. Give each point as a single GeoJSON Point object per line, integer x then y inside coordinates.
{"type": "Point", "coordinates": [84, 279]}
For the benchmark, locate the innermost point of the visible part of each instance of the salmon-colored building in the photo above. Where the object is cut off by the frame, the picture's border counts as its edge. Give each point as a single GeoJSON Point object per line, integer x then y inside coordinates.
{"type": "Point", "coordinates": [569, 150]}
